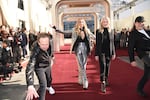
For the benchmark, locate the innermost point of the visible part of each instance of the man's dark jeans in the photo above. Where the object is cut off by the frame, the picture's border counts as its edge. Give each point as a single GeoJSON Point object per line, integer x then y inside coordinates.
{"type": "Point", "coordinates": [146, 76]}
{"type": "Point", "coordinates": [45, 79]}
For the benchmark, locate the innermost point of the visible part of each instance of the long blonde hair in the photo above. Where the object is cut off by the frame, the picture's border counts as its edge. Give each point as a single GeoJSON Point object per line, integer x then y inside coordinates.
{"type": "Point", "coordinates": [101, 24]}
{"type": "Point", "coordinates": [77, 27]}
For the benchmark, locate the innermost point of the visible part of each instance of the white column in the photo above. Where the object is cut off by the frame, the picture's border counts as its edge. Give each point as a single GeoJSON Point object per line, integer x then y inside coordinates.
{"type": "Point", "coordinates": [9, 9]}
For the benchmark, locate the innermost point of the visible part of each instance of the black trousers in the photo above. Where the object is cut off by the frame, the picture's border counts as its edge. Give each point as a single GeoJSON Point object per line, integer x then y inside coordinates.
{"type": "Point", "coordinates": [146, 76]}
{"type": "Point", "coordinates": [104, 62]}
{"type": "Point", "coordinates": [16, 54]}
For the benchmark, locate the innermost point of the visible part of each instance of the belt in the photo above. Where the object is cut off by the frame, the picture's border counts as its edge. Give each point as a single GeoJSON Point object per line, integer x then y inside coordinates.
{"type": "Point", "coordinates": [147, 52]}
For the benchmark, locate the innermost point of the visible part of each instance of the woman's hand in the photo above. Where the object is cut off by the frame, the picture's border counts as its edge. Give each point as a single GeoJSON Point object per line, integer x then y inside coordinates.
{"type": "Point", "coordinates": [133, 63]}
{"type": "Point", "coordinates": [31, 93]}
{"type": "Point", "coordinates": [96, 58]}
{"type": "Point", "coordinates": [113, 57]}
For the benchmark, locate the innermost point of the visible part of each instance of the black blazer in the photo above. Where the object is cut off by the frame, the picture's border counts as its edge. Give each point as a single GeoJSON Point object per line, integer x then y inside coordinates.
{"type": "Point", "coordinates": [138, 42]}
{"type": "Point", "coordinates": [99, 39]}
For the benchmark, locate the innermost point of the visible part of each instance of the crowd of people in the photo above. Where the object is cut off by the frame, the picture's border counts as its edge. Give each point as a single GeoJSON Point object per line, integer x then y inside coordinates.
{"type": "Point", "coordinates": [122, 37]}
{"type": "Point", "coordinates": [81, 46]}
{"type": "Point", "coordinates": [14, 47]}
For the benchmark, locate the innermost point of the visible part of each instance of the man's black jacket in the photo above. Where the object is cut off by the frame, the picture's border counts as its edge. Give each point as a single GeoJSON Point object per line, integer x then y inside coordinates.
{"type": "Point", "coordinates": [38, 59]}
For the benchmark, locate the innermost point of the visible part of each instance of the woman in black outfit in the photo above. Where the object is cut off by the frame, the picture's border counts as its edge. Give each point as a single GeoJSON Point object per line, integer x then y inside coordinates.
{"type": "Point", "coordinates": [139, 41]}
{"type": "Point", "coordinates": [105, 50]}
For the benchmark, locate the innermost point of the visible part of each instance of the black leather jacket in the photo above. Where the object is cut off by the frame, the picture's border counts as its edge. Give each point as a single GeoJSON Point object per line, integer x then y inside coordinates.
{"type": "Point", "coordinates": [38, 59]}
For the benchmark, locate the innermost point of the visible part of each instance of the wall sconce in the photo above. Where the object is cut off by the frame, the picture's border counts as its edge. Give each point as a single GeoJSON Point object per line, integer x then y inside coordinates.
{"type": "Point", "coordinates": [49, 6]}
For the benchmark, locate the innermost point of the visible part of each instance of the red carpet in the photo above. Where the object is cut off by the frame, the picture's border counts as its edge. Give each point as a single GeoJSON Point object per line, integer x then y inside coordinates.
{"type": "Point", "coordinates": [122, 52]}
{"type": "Point", "coordinates": [123, 80]}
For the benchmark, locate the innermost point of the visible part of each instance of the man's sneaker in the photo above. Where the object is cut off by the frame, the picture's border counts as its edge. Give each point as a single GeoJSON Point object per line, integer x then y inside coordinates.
{"type": "Point", "coordinates": [51, 90]}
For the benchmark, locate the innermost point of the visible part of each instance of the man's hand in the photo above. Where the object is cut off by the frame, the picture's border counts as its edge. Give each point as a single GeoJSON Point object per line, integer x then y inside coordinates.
{"type": "Point", "coordinates": [31, 93]}
{"type": "Point", "coordinates": [113, 57]}
{"type": "Point", "coordinates": [52, 26]}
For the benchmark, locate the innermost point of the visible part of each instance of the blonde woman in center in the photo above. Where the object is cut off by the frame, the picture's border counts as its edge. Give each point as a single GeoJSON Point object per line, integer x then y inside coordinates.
{"type": "Point", "coordinates": [105, 50]}
{"type": "Point", "coordinates": [81, 47]}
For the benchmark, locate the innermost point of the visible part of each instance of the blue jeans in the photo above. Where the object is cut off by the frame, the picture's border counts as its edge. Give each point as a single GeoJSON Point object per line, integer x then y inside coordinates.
{"type": "Point", "coordinates": [24, 51]}
{"type": "Point", "coordinates": [45, 79]}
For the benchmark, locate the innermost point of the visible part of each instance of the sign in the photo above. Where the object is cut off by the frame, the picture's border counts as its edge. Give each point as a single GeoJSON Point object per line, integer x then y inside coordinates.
{"type": "Point", "coordinates": [81, 10]}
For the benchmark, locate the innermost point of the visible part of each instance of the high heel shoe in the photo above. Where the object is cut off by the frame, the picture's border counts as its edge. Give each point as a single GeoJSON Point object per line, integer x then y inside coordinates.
{"type": "Point", "coordinates": [107, 83]}
{"type": "Point", "coordinates": [85, 85]}
{"type": "Point", "coordinates": [103, 87]}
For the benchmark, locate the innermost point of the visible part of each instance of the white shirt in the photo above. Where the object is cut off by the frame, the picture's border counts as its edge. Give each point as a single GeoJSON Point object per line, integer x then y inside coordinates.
{"type": "Point", "coordinates": [143, 32]}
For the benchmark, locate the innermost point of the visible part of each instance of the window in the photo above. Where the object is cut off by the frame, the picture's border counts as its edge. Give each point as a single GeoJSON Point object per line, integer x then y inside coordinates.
{"type": "Point", "coordinates": [20, 4]}
{"type": "Point", "coordinates": [21, 24]}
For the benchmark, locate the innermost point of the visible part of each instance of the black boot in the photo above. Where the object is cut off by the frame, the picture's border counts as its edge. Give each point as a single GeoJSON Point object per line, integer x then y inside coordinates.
{"type": "Point", "coordinates": [103, 86]}
{"type": "Point", "coordinates": [107, 83]}
{"type": "Point", "coordinates": [141, 93]}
